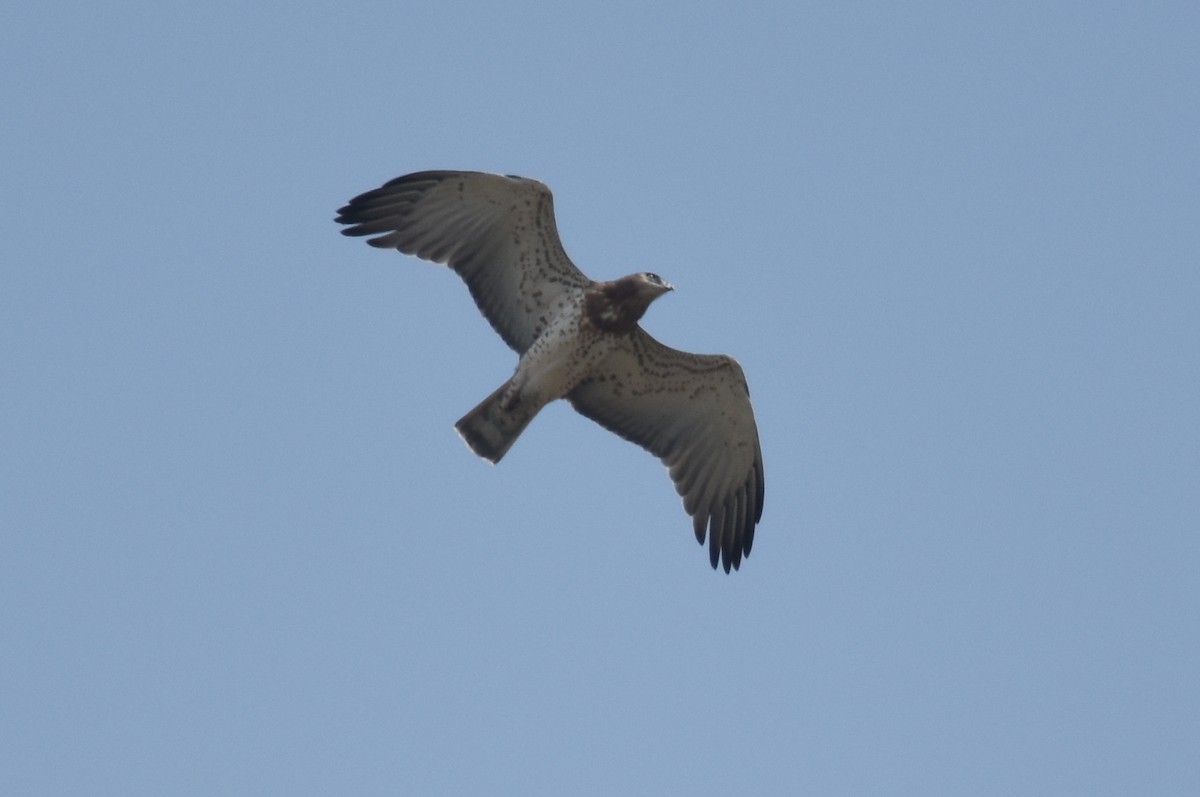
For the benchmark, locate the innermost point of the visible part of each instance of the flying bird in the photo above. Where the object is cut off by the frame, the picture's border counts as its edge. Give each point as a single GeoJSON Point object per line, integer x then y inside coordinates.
{"type": "Point", "coordinates": [578, 339]}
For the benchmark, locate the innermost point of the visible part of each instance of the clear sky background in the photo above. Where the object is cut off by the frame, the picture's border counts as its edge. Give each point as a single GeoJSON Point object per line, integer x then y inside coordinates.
{"type": "Point", "coordinates": [954, 245]}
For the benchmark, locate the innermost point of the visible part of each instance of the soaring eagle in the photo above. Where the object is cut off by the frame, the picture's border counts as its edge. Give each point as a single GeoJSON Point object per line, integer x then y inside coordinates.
{"type": "Point", "coordinates": [580, 340]}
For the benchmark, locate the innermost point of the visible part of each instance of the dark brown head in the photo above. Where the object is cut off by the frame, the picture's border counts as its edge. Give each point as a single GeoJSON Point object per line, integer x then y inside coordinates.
{"type": "Point", "coordinates": [618, 305]}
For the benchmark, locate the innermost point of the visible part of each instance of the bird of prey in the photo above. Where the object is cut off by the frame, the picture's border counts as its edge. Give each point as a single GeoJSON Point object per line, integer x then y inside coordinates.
{"type": "Point", "coordinates": [580, 340]}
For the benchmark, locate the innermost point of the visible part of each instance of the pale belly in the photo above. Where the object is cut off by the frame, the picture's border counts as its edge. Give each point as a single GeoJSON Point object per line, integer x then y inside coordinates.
{"type": "Point", "coordinates": [565, 353]}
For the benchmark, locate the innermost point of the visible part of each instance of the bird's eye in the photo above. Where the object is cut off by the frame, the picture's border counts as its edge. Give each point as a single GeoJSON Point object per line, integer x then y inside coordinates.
{"type": "Point", "coordinates": [654, 278]}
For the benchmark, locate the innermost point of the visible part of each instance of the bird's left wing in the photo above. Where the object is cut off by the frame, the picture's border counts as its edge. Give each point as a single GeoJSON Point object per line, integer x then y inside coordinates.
{"type": "Point", "coordinates": [496, 231]}
{"type": "Point", "coordinates": [693, 412]}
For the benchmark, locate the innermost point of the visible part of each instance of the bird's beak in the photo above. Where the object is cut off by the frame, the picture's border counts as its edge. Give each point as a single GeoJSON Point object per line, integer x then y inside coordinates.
{"type": "Point", "coordinates": [668, 286]}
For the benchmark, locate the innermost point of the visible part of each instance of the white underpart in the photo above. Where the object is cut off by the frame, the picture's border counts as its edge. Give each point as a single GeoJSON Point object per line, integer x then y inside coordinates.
{"type": "Point", "coordinates": [566, 352]}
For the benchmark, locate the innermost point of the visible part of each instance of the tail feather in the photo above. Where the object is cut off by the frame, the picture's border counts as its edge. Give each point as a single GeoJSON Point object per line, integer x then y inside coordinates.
{"type": "Point", "coordinates": [491, 428]}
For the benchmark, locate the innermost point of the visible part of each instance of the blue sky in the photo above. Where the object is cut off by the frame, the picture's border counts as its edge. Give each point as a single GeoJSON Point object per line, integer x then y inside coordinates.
{"type": "Point", "coordinates": [954, 246]}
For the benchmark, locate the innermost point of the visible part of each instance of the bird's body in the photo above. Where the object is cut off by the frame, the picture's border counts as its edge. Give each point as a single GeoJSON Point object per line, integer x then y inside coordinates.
{"type": "Point", "coordinates": [563, 354]}
{"type": "Point", "coordinates": [578, 339]}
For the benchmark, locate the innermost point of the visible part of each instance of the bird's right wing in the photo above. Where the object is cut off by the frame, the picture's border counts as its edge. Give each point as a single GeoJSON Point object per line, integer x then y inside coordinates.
{"type": "Point", "coordinates": [497, 232]}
